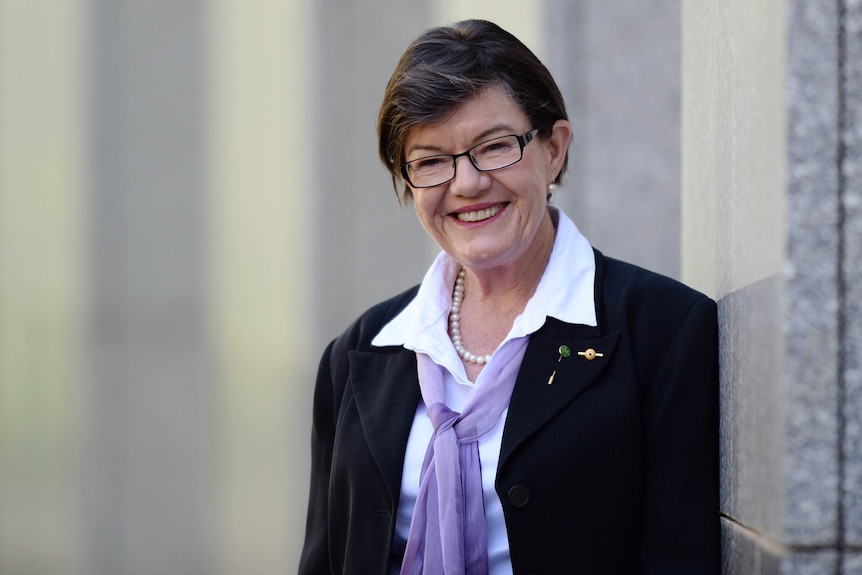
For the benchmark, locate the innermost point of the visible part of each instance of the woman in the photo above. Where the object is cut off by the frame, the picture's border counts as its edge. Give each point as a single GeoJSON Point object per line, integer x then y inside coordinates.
{"type": "Point", "coordinates": [532, 406]}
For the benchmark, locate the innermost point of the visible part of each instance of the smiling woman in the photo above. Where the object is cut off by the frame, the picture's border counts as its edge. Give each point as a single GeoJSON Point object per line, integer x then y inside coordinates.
{"type": "Point", "coordinates": [494, 221]}
{"type": "Point", "coordinates": [531, 406]}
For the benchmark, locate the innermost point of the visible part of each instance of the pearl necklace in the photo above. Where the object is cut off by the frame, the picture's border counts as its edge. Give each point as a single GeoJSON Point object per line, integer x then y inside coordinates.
{"type": "Point", "coordinates": [455, 323]}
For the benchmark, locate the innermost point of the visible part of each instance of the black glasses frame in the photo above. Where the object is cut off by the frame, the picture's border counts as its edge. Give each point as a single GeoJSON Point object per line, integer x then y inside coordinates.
{"type": "Point", "coordinates": [523, 140]}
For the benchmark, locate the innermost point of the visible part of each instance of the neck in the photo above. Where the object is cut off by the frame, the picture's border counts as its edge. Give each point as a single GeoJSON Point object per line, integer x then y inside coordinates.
{"type": "Point", "coordinates": [493, 298]}
{"type": "Point", "coordinates": [515, 282]}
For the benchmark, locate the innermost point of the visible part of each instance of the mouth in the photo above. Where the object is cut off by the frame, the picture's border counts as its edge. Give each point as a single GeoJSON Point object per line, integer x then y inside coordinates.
{"type": "Point", "coordinates": [480, 215]}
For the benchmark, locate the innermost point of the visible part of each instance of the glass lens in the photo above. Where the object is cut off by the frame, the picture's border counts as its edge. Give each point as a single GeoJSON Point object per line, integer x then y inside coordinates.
{"type": "Point", "coordinates": [497, 153]}
{"type": "Point", "coordinates": [431, 171]}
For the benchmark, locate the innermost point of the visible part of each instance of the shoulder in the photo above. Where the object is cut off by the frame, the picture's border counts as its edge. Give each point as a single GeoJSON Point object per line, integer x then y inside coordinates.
{"type": "Point", "coordinates": [635, 291]}
{"type": "Point", "coordinates": [359, 334]}
{"type": "Point", "coordinates": [668, 327]}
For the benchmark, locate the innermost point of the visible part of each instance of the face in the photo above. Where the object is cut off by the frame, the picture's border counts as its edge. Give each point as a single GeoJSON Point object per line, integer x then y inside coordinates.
{"type": "Point", "coordinates": [489, 219]}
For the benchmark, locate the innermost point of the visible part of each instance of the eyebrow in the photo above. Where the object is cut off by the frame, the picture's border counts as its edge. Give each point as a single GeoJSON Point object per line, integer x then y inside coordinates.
{"type": "Point", "coordinates": [477, 139]}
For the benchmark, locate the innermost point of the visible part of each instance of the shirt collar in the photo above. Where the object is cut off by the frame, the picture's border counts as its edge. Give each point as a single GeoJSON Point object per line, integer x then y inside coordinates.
{"type": "Point", "coordinates": [565, 292]}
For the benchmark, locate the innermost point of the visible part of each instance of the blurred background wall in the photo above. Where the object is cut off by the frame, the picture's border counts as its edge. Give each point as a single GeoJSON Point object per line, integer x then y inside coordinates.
{"type": "Point", "coordinates": [191, 207]}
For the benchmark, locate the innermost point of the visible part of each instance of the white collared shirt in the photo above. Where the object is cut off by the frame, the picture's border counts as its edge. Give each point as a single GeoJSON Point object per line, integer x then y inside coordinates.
{"type": "Point", "coordinates": [565, 292]}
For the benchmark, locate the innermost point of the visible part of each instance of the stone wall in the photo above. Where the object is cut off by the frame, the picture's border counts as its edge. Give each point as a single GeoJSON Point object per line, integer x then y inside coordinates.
{"type": "Point", "coordinates": [771, 228]}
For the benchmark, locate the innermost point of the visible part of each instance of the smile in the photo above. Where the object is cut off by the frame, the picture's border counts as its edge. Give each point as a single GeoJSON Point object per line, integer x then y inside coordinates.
{"type": "Point", "coordinates": [480, 215]}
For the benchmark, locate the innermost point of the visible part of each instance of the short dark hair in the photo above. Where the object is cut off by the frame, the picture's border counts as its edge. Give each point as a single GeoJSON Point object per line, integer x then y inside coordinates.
{"type": "Point", "coordinates": [446, 66]}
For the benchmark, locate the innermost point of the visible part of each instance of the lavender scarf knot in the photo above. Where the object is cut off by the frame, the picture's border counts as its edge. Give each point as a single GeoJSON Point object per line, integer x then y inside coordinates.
{"type": "Point", "coordinates": [448, 534]}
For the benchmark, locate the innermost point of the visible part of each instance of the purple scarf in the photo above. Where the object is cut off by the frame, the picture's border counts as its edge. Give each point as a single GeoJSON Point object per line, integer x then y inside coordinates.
{"type": "Point", "coordinates": [447, 532]}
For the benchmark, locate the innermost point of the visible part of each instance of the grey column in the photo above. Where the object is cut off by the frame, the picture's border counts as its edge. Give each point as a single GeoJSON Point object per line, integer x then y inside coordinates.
{"type": "Point", "coordinates": [367, 247]}
{"type": "Point", "coordinates": [151, 397]}
{"type": "Point", "coordinates": [618, 65]}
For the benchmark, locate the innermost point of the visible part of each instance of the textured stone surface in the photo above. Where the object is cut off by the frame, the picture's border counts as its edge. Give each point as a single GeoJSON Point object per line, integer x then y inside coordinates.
{"type": "Point", "coordinates": [753, 408]}
{"type": "Point", "coordinates": [852, 272]}
{"type": "Point", "coordinates": [766, 234]}
{"type": "Point", "coordinates": [851, 563]}
{"type": "Point", "coordinates": [813, 226]}
{"type": "Point", "coordinates": [813, 562]}
{"type": "Point", "coordinates": [747, 552]}
{"type": "Point", "coordinates": [761, 195]}
{"type": "Point", "coordinates": [744, 553]}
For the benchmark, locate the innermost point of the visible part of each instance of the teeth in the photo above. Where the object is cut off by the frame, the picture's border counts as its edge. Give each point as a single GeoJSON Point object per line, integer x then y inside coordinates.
{"type": "Point", "coordinates": [480, 215]}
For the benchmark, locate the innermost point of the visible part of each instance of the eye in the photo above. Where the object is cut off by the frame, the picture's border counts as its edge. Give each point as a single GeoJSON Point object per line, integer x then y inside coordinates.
{"type": "Point", "coordinates": [430, 163]}
{"type": "Point", "coordinates": [496, 147]}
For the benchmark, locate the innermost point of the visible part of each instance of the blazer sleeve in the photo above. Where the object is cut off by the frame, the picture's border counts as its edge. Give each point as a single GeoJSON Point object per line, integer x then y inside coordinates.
{"type": "Point", "coordinates": [681, 528]}
{"type": "Point", "coordinates": [314, 559]}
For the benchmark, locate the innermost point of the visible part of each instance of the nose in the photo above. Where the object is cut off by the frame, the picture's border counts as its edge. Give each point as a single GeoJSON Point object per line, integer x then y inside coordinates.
{"type": "Point", "coordinates": [468, 181]}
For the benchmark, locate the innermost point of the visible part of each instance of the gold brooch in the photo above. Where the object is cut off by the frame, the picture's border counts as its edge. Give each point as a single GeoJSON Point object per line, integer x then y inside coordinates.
{"type": "Point", "coordinates": [590, 354]}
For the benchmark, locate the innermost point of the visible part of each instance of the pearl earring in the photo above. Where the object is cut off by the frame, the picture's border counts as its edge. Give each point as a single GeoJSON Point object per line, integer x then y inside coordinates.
{"type": "Point", "coordinates": [552, 190]}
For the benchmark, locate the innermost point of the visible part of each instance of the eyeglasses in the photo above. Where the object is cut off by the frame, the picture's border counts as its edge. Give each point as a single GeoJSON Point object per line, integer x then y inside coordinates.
{"type": "Point", "coordinates": [494, 154]}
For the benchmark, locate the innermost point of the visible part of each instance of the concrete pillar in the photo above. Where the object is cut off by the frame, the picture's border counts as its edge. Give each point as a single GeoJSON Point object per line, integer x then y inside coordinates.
{"type": "Point", "coordinates": [151, 392]}
{"type": "Point", "coordinates": [261, 189]}
{"type": "Point", "coordinates": [618, 65]}
{"type": "Point", "coordinates": [366, 247]}
{"type": "Point", "coordinates": [43, 278]}
{"type": "Point", "coordinates": [771, 229]}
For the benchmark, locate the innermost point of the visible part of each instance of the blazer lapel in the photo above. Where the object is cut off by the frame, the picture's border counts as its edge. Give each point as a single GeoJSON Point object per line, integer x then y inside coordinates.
{"type": "Point", "coordinates": [386, 391]}
{"type": "Point", "coordinates": [534, 399]}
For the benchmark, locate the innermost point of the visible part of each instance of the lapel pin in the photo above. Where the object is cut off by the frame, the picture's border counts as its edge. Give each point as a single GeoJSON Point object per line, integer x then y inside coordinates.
{"type": "Point", "coordinates": [590, 354]}
{"type": "Point", "coordinates": [564, 352]}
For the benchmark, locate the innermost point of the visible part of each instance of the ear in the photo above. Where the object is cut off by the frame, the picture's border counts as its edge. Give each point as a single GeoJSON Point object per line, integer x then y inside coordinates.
{"type": "Point", "coordinates": [558, 147]}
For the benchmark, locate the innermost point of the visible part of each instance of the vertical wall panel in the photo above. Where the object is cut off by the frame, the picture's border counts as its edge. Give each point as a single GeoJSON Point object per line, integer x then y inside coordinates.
{"type": "Point", "coordinates": [366, 247]}
{"type": "Point", "coordinates": [150, 416]}
{"type": "Point", "coordinates": [770, 188]}
{"type": "Point", "coordinates": [42, 276]}
{"type": "Point", "coordinates": [813, 272]}
{"type": "Point", "coordinates": [262, 137]}
{"type": "Point", "coordinates": [734, 206]}
{"type": "Point", "coordinates": [618, 64]}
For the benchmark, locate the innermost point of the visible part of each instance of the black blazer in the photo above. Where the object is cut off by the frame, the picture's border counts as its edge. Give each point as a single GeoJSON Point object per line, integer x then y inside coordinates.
{"type": "Point", "coordinates": [611, 469]}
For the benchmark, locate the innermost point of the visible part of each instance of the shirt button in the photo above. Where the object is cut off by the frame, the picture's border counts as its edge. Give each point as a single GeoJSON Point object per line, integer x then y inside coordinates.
{"type": "Point", "coordinates": [519, 496]}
